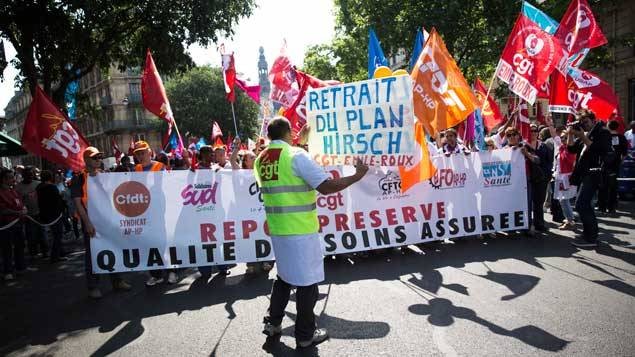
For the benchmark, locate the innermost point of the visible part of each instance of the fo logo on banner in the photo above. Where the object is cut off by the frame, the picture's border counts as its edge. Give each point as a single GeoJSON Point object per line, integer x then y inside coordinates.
{"type": "Point", "coordinates": [131, 199]}
{"type": "Point", "coordinates": [497, 173]}
{"type": "Point", "coordinates": [447, 178]}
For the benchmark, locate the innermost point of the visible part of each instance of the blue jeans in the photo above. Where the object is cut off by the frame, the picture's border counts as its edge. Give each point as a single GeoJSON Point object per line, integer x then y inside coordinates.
{"type": "Point", "coordinates": [567, 210]}
{"type": "Point", "coordinates": [588, 188]}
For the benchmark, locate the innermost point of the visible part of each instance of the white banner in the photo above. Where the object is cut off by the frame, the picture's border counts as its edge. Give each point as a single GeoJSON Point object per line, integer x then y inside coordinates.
{"type": "Point", "coordinates": [157, 220]}
{"type": "Point", "coordinates": [371, 120]}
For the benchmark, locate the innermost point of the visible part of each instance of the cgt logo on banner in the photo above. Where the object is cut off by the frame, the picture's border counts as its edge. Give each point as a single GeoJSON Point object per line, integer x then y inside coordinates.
{"type": "Point", "coordinates": [170, 235]}
{"type": "Point", "coordinates": [528, 59]}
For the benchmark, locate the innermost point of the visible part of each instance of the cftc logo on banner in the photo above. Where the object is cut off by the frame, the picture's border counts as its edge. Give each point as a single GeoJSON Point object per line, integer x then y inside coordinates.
{"type": "Point", "coordinates": [498, 173]}
{"type": "Point", "coordinates": [390, 184]}
{"type": "Point", "coordinates": [131, 199]}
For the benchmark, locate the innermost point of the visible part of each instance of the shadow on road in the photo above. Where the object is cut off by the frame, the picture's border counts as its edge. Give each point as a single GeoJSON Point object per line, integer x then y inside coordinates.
{"type": "Point", "coordinates": [441, 312]}
{"type": "Point", "coordinates": [51, 302]}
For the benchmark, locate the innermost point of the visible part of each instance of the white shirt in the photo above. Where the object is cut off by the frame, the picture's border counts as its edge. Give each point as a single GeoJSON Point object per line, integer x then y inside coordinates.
{"type": "Point", "coordinates": [299, 258]}
{"type": "Point", "coordinates": [630, 136]}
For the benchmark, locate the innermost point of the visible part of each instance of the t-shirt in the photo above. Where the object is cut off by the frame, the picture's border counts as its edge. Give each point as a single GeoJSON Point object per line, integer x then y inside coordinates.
{"type": "Point", "coordinates": [50, 202]}
{"type": "Point", "coordinates": [9, 199]}
{"type": "Point", "coordinates": [28, 194]}
{"type": "Point", "coordinates": [630, 136]}
{"type": "Point", "coordinates": [77, 186]}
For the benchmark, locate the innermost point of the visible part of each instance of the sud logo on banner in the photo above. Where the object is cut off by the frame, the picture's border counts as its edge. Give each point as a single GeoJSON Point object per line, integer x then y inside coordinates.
{"type": "Point", "coordinates": [158, 220]}
{"type": "Point", "coordinates": [528, 59]}
{"type": "Point", "coordinates": [371, 120]}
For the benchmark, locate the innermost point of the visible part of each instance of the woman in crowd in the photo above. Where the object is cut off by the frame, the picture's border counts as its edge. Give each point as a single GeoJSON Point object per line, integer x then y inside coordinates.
{"type": "Point", "coordinates": [562, 169]}
{"type": "Point", "coordinates": [539, 176]}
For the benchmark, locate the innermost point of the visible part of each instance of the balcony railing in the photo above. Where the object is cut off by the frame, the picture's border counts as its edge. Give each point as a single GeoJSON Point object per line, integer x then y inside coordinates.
{"type": "Point", "coordinates": [127, 124]}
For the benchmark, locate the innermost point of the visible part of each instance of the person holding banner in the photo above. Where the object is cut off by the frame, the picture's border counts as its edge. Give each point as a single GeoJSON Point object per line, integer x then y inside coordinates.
{"type": "Point", "coordinates": [288, 179]}
{"type": "Point", "coordinates": [206, 162]}
{"type": "Point", "coordinates": [79, 193]}
{"type": "Point", "coordinates": [452, 146]}
{"type": "Point", "coordinates": [12, 211]}
{"type": "Point", "coordinates": [143, 156]}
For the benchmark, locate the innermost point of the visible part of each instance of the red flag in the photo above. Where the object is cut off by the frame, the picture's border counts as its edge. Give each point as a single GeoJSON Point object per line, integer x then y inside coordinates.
{"type": "Point", "coordinates": [489, 109]}
{"type": "Point", "coordinates": [296, 112]}
{"type": "Point", "coordinates": [154, 98]}
{"type": "Point", "coordinates": [543, 89]}
{"type": "Point", "coordinates": [131, 146]}
{"type": "Point", "coordinates": [115, 150]}
{"type": "Point", "coordinates": [583, 90]}
{"type": "Point", "coordinates": [540, 117]}
{"type": "Point", "coordinates": [530, 55]}
{"type": "Point", "coordinates": [578, 29]}
{"type": "Point", "coordinates": [47, 133]}
{"type": "Point", "coordinates": [252, 90]}
{"type": "Point", "coordinates": [216, 132]}
{"type": "Point", "coordinates": [229, 74]}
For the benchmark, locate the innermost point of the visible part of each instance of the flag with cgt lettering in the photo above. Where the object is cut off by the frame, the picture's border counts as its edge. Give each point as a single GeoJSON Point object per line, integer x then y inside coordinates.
{"type": "Point", "coordinates": [48, 133]}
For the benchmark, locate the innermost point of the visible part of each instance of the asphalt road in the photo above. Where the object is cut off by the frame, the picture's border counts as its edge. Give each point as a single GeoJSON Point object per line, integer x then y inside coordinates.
{"type": "Point", "coordinates": [505, 296]}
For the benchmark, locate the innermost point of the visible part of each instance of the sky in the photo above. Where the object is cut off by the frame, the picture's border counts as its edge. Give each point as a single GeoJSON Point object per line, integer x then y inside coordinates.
{"type": "Point", "coordinates": [271, 23]}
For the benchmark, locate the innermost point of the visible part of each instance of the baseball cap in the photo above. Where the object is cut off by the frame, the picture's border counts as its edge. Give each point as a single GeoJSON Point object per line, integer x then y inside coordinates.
{"type": "Point", "coordinates": [205, 148]}
{"type": "Point", "coordinates": [91, 151]}
{"type": "Point", "coordinates": [141, 145]}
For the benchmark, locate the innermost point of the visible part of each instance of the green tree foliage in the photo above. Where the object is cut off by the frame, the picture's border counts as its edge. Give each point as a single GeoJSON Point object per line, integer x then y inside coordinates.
{"type": "Point", "coordinates": [50, 35]}
{"type": "Point", "coordinates": [197, 98]}
{"type": "Point", "coordinates": [474, 32]}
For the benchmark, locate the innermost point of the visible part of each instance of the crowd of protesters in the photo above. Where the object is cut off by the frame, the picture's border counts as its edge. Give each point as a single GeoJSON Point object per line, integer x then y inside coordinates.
{"type": "Point", "coordinates": [567, 166]}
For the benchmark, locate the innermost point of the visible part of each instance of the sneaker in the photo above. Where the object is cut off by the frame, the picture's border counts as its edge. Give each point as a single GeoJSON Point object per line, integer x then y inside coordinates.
{"type": "Point", "coordinates": [8, 277]}
{"type": "Point", "coordinates": [567, 226]}
{"type": "Point", "coordinates": [319, 335]}
{"type": "Point", "coordinates": [122, 285]}
{"type": "Point", "coordinates": [154, 281]}
{"type": "Point", "coordinates": [584, 244]}
{"type": "Point", "coordinates": [172, 278]}
{"type": "Point", "coordinates": [94, 293]}
{"type": "Point", "coordinates": [272, 330]}
{"type": "Point", "coordinates": [267, 266]}
{"type": "Point", "coordinates": [224, 272]}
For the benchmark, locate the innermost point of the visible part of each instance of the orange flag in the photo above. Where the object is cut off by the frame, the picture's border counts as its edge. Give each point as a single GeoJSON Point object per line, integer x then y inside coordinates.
{"type": "Point", "coordinates": [421, 171]}
{"type": "Point", "coordinates": [442, 98]}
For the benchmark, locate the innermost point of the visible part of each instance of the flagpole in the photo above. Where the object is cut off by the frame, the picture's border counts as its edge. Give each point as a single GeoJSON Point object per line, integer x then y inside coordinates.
{"type": "Point", "coordinates": [234, 116]}
{"type": "Point", "coordinates": [491, 83]}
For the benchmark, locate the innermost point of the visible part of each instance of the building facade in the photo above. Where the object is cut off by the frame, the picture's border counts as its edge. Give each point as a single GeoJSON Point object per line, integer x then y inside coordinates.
{"type": "Point", "coordinates": [616, 20]}
{"type": "Point", "coordinates": [110, 111]}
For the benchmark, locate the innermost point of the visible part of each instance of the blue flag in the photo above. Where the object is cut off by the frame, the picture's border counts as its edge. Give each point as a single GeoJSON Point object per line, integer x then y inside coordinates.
{"type": "Point", "coordinates": [479, 130]}
{"type": "Point", "coordinates": [201, 142]}
{"type": "Point", "coordinates": [543, 20]}
{"type": "Point", "coordinates": [376, 56]}
{"type": "Point", "coordinates": [416, 50]}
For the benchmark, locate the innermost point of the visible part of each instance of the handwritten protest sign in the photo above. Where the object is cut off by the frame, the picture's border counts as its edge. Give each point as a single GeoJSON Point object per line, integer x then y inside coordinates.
{"type": "Point", "coordinates": [370, 120]}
